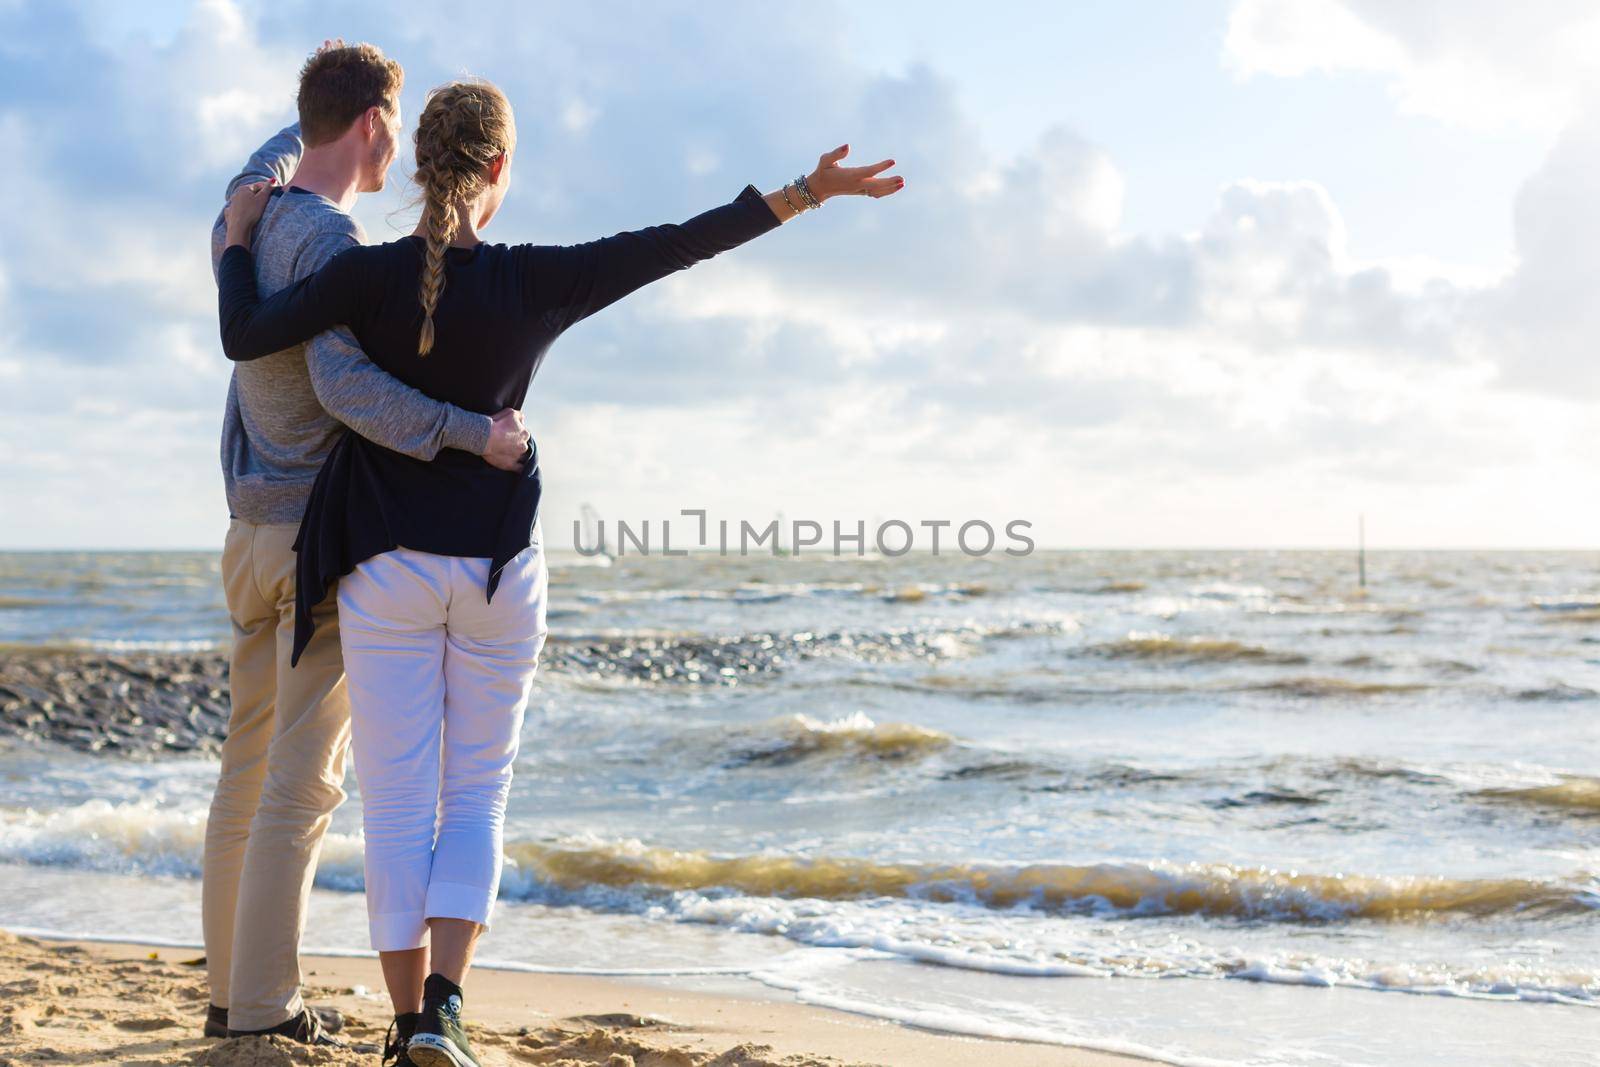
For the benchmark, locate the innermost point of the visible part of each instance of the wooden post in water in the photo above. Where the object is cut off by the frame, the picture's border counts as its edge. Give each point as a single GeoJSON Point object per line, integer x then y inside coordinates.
{"type": "Point", "coordinates": [1361, 549]}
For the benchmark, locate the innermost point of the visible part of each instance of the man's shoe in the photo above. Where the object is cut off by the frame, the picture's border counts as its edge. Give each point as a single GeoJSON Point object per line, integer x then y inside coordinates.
{"type": "Point", "coordinates": [217, 1020]}
{"type": "Point", "coordinates": [305, 1028]}
{"type": "Point", "coordinates": [332, 1019]}
{"type": "Point", "coordinates": [440, 1039]}
{"type": "Point", "coordinates": [398, 1037]}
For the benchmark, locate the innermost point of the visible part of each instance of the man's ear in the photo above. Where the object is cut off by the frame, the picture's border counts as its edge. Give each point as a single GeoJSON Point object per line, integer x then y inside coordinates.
{"type": "Point", "coordinates": [374, 124]}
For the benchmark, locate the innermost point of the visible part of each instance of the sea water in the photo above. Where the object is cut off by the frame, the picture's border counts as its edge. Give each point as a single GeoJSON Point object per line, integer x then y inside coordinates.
{"type": "Point", "coordinates": [1217, 807]}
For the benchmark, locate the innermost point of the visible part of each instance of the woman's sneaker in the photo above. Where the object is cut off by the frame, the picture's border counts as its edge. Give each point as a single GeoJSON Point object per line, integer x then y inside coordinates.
{"type": "Point", "coordinates": [440, 1040]}
{"type": "Point", "coordinates": [398, 1037]}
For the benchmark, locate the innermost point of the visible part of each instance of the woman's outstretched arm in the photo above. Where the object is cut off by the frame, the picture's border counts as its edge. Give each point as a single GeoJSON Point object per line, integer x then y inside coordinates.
{"type": "Point", "coordinates": [253, 327]}
{"type": "Point", "coordinates": [829, 180]}
{"type": "Point", "coordinates": [573, 282]}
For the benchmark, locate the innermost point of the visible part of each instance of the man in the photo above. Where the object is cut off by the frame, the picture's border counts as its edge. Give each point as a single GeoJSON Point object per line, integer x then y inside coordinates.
{"type": "Point", "coordinates": [283, 760]}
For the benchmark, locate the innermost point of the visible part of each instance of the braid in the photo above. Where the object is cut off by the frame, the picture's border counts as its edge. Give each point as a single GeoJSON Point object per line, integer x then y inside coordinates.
{"type": "Point", "coordinates": [465, 126]}
{"type": "Point", "coordinates": [442, 219]}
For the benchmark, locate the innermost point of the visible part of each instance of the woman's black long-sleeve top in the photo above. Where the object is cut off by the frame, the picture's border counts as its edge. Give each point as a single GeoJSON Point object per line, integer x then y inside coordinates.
{"type": "Point", "coordinates": [501, 309]}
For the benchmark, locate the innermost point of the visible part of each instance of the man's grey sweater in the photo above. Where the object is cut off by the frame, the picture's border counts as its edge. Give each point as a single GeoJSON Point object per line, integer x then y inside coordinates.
{"type": "Point", "coordinates": [285, 411]}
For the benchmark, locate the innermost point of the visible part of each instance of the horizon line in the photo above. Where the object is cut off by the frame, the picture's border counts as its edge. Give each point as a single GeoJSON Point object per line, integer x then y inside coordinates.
{"type": "Point", "coordinates": [1000, 554]}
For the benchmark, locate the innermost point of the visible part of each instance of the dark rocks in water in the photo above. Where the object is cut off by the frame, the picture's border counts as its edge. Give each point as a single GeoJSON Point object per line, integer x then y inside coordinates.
{"type": "Point", "coordinates": [665, 659]}
{"type": "Point", "coordinates": [700, 660]}
{"type": "Point", "coordinates": [153, 703]}
{"type": "Point", "coordinates": [132, 704]}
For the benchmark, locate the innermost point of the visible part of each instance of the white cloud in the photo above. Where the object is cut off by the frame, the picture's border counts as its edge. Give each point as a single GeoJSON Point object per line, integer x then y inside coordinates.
{"type": "Point", "coordinates": [1483, 64]}
{"type": "Point", "coordinates": [1543, 323]}
{"type": "Point", "coordinates": [1290, 38]}
{"type": "Point", "coordinates": [994, 340]}
{"type": "Point", "coordinates": [1480, 64]}
{"type": "Point", "coordinates": [207, 92]}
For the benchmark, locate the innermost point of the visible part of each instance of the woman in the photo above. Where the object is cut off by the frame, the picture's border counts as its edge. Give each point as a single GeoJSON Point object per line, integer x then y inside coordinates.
{"type": "Point", "coordinates": [440, 667]}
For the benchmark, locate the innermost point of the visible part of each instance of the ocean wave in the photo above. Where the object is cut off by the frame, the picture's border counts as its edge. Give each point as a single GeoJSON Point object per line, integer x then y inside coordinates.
{"type": "Point", "coordinates": [966, 942]}
{"type": "Point", "coordinates": [854, 737]}
{"type": "Point", "coordinates": [1115, 586]}
{"type": "Point", "coordinates": [1127, 889]}
{"type": "Point", "coordinates": [999, 769]}
{"type": "Point", "coordinates": [915, 594]}
{"type": "Point", "coordinates": [148, 838]}
{"type": "Point", "coordinates": [1559, 691]}
{"type": "Point", "coordinates": [1577, 615]}
{"type": "Point", "coordinates": [121, 644]}
{"type": "Point", "coordinates": [1038, 688]}
{"type": "Point", "coordinates": [1109, 776]}
{"type": "Point", "coordinates": [1573, 793]}
{"type": "Point", "coordinates": [1504, 982]}
{"type": "Point", "coordinates": [1453, 666]}
{"type": "Point", "coordinates": [1271, 797]}
{"type": "Point", "coordinates": [1566, 604]}
{"type": "Point", "coordinates": [1356, 767]}
{"type": "Point", "coordinates": [1026, 688]}
{"type": "Point", "coordinates": [1317, 687]}
{"type": "Point", "coordinates": [142, 838]}
{"type": "Point", "coordinates": [1166, 648]}
{"type": "Point", "coordinates": [1230, 591]}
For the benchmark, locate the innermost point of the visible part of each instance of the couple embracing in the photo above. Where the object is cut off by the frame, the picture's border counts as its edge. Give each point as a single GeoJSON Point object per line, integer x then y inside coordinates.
{"type": "Point", "coordinates": [383, 567]}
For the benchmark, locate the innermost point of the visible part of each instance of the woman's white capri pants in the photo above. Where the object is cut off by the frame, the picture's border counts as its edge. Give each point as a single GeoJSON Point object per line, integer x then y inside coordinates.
{"type": "Point", "coordinates": [439, 680]}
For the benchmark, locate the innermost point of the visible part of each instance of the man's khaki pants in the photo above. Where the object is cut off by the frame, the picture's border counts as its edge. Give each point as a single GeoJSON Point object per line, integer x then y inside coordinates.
{"type": "Point", "coordinates": [282, 777]}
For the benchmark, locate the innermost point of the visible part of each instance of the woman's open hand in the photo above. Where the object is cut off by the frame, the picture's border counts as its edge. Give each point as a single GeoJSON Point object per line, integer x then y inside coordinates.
{"type": "Point", "coordinates": [244, 211]}
{"type": "Point", "coordinates": [830, 179]}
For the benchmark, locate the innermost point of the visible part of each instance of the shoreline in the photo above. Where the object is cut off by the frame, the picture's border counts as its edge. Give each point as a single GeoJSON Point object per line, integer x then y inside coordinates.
{"type": "Point", "coordinates": [119, 1002]}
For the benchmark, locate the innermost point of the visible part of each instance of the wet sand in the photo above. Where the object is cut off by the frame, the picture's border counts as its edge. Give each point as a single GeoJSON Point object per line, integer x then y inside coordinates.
{"type": "Point", "coordinates": [143, 1006]}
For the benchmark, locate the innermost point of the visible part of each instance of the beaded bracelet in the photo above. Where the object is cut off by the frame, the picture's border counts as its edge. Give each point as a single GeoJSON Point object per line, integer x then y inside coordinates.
{"type": "Point", "coordinates": [786, 200]}
{"type": "Point", "coordinates": [805, 192]}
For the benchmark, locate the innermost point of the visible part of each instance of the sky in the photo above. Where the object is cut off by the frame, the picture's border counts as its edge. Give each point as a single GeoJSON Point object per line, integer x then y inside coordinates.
{"type": "Point", "coordinates": [1165, 272]}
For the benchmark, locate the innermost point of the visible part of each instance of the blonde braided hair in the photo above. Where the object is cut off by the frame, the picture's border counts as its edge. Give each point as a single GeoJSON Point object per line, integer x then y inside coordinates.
{"type": "Point", "coordinates": [465, 126]}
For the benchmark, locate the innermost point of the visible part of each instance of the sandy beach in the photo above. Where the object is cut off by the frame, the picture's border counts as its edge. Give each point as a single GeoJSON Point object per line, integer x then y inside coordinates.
{"type": "Point", "coordinates": [130, 1004]}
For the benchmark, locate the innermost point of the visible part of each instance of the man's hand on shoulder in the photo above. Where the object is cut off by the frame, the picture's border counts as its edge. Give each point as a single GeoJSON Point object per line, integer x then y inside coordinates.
{"type": "Point", "coordinates": [508, 440]}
